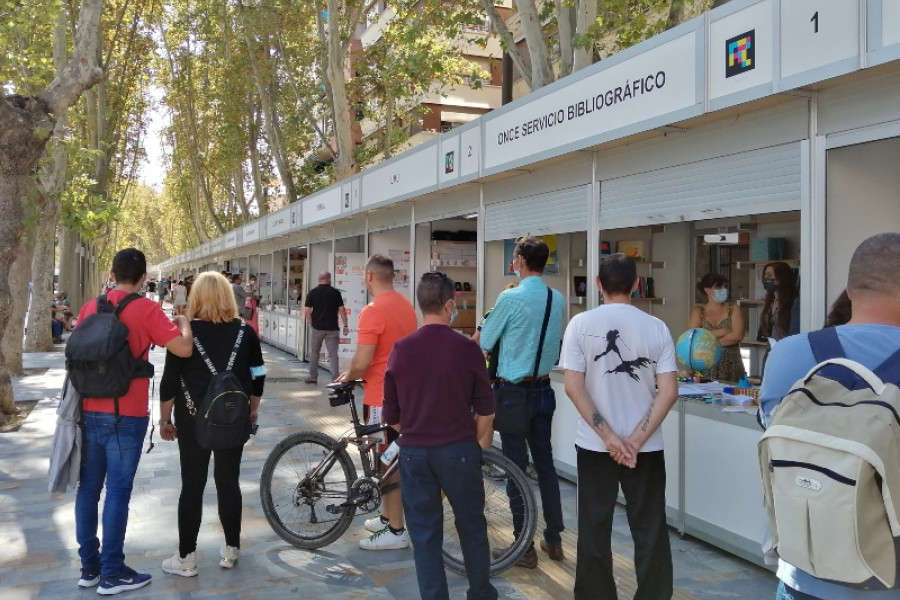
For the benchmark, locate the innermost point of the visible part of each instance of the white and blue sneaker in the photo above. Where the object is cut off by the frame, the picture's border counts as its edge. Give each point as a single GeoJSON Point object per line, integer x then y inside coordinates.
{"type": "Point", "coordinates": [127, 580]}
{"type": "Point", "coordinates": [89, 578]}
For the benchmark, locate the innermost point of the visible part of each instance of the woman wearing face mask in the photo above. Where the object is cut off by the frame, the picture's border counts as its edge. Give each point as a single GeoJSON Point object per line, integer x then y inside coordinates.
{"type": "Point", "coordinates": [725, 321]}
{"type": "Point", "coordinates": [781, 294]}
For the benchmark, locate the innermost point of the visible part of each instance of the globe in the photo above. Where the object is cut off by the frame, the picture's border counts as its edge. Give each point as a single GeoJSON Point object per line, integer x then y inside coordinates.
{"type": "Point", "coordinates": [698, 350]}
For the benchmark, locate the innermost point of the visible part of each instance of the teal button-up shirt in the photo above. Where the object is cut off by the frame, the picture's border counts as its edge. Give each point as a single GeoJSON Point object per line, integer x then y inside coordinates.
{"type": "Point", "coordinates": [516, 322]}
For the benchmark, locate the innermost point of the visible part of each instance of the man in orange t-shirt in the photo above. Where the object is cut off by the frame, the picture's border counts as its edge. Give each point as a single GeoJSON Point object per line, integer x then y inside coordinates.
{"type": "Point", "coordinates": [389, 317]}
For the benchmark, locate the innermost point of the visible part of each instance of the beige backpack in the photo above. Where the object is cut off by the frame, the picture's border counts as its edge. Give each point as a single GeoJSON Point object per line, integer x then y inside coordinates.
{"type": "Point", "coordinates": [830, 463]}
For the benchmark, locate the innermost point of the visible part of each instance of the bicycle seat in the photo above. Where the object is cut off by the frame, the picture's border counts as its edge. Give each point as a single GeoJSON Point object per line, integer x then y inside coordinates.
{"type": "Point", "coordinates": [343, 386]}
{"type": "Point", "coordinates": [370, 429]}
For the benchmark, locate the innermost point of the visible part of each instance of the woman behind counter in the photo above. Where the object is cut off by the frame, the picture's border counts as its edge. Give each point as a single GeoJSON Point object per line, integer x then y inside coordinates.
{"type": "Point", "coordinates": [214, 319]}
{"type": "Point", "coordinates": [725, 321]}
{"type": "Point", "coordinates": [776, 319]}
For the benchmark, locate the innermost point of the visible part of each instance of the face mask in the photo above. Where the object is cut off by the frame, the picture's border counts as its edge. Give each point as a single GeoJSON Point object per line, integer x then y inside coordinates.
{"type": "Point", "coordinates": [515, 270]}
{"type": "Point", "coordinates": [720, 295]}
{"type": "Point", "coordinates": [454, 314]}
{"type": "Point", "coordinates": [768, 284]}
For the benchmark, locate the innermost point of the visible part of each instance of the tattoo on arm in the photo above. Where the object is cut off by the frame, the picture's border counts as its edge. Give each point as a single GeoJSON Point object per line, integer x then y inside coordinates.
{"type": "Point", "coordinates": [598, 420]}
{"type": "Point", "coordinates": [646, 422]}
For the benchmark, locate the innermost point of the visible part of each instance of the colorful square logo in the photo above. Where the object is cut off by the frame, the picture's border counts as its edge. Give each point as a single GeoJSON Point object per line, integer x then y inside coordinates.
{"type": "Point", "coordinates": [740, 54]}
{"type": "Point", "coordinates": [448, 162]}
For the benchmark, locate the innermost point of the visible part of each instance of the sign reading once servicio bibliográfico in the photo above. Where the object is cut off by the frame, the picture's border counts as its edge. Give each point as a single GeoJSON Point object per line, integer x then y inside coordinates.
{"type": "Point", "coordinates": [655, 83]}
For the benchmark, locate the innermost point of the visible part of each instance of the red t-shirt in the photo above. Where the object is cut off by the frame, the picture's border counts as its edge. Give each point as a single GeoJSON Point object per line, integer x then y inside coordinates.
{"type": "Point", "coordinates": [381, 323]}
{"type": "Point", "coordinates": [147, 323]}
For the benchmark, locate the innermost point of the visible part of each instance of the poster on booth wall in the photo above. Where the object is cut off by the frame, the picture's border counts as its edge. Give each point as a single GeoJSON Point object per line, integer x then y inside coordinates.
{"type": "Point", "coordinates": [401, 270]}
{"type": "Point", "coordinates": [349, 279]}
{"type": "Point", "coordinates": [552, 266]}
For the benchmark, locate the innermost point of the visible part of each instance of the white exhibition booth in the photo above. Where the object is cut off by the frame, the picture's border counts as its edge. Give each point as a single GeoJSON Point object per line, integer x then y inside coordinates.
{"type": "Point", "coordinates": [768, 118]}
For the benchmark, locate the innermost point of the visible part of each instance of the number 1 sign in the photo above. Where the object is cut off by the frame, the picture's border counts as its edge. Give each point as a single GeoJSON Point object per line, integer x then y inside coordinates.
{"type": "Point", "coordinates": [816, 36]}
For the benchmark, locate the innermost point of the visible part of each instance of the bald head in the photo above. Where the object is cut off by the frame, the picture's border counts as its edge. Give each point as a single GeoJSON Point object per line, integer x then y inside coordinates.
{"type": "Point", "coordinates": [874, 268]}
{"type": "Point", "coordinates": [325, 277]}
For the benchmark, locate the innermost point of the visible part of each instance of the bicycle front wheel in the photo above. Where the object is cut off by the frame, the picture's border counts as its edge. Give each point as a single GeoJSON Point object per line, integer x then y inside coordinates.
{"type": "Point", "coordinates": [510, 511]}
{"type": "Point", "coordinates": [304, 489]}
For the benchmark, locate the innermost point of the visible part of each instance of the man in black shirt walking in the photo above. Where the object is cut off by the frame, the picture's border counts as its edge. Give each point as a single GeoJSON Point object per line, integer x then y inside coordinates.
{"type": "Point", "coordinates": [323, 306]}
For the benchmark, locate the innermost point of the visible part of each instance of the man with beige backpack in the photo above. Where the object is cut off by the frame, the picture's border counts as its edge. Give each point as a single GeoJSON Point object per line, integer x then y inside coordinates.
{"type": "Point", "coordinates": [830, 457]}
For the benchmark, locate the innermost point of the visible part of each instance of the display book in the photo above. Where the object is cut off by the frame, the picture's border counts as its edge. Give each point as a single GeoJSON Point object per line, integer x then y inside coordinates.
{"type": "Point", "coordinates": [640, 252]}
{"type": "Point", "coordinates": [742, 397]}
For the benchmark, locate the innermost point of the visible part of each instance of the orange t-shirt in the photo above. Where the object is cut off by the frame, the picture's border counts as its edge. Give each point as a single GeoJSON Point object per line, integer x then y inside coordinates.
{"type": "Point", "coordinates": [381, 323]}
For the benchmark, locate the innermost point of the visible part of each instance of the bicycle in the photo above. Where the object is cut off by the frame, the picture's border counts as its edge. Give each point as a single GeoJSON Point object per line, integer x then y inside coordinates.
{"type": "Point", "coordinates": [310, 491]}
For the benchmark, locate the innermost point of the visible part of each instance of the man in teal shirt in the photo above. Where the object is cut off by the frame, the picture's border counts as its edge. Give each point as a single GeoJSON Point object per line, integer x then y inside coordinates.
{"type": "Point", "coordinates": [515, 323]}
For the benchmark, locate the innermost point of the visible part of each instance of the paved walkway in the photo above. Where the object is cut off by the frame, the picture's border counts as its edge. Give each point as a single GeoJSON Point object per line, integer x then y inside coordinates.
{"type": "Point", "coordinates": [39, 556]}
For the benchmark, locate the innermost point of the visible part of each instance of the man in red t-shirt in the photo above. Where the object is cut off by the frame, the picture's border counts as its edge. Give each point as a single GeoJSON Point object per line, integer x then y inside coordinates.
{"type": "Point", "coordinates": [389, 317]}
{"type": "Point", "coordinates": [112, 443]}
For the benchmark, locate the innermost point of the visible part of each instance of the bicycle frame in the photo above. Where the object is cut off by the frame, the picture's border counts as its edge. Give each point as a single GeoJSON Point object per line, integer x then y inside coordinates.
{"type": "Point", "coordinates": [367, 447]}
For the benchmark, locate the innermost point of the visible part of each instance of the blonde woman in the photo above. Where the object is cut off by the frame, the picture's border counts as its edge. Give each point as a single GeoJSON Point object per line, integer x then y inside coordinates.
{"type": "Point", "coordinates": [214, 318]}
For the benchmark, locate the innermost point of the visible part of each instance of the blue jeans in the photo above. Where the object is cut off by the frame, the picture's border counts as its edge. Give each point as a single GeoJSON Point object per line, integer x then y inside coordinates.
{"type": "Point", "coordinates": [455, 469]}
{"type": "Point", "coordinates": [110, 454]}
{"type": "Point", "coordinates": [516, 448]}
{"type": "Point", "coordinates": [784, 592]}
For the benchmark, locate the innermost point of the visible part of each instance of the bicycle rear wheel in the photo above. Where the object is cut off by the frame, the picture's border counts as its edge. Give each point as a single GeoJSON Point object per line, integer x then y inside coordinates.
{"type": "Point", "coordinates": [509, 507]}
{"type": "Point", "coordinates": [305, 509]}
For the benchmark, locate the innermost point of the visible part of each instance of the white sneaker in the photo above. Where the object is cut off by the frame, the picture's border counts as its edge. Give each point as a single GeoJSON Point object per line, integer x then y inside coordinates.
{"type": "Point", "coordinates": [186, 567]}
{"type": "Point", "coordinates": [229, 556]}
{"type": "Point", "coordinates": [375, 524]}
{"type": "Point", "coordinates": [385, 540]}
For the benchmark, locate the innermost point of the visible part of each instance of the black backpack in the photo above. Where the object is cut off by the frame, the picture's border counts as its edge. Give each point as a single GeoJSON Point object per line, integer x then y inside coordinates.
{"type": "Point", "coordinates": [98, 357]}
{"type": "Point", "coordinates": [223, 416]}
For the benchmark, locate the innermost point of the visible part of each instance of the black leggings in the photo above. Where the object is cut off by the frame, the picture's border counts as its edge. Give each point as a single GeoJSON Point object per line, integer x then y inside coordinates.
{"type": "Point", "coordinates": [194, 472]}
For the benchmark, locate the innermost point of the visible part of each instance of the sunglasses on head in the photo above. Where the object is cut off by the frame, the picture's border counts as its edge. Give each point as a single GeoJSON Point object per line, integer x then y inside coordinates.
{"type": "Point", "coordinates": [440, 276]}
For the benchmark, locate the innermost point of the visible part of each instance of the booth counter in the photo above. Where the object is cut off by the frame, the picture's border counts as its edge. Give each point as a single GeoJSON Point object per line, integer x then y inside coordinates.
{"type": "Point", "coordinates": [281, 328]}
{"type": "Point", "coordinates": [713, 487]}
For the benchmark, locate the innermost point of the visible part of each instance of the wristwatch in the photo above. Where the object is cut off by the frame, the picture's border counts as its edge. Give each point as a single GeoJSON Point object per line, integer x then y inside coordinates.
{"type": "Point", "coordinates": [163, 423]}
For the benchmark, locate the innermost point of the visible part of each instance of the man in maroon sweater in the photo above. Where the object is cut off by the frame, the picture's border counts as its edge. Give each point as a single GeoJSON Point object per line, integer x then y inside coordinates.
{"type": "Point", "coordinates": [438, 395]}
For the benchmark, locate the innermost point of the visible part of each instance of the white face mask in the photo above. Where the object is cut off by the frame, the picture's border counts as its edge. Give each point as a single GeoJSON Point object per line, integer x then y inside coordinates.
{"type": "Point", "coordinates": [515, 270]}
{"type": "Point", "coordinates": [720, 295]}
{"type": "Point", "coordinates": [454, 314]}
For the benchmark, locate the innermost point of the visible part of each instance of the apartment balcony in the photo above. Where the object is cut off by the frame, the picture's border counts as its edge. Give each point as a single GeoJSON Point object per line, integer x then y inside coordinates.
{"type": "Point", "coordinates": [486, 98]}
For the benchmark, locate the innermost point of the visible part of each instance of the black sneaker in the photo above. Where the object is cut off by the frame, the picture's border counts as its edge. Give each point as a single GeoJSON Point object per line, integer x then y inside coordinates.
{"type": "Point", "coordinates": [89, 578]}
{"type": "Point", "coordinates": [127, 580]}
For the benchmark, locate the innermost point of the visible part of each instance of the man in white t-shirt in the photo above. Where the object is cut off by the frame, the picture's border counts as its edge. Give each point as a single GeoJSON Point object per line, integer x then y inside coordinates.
{"type": "Point", "coordinates": [620, 375]}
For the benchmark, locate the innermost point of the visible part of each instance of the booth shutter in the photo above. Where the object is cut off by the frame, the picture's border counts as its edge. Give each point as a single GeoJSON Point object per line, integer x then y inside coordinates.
{"type": "Point", "coordinates": [767, 180]}
{"type": "Point", "coordinates": [447, 206]}
{"type": "Point", "coordinates": [560, 211]}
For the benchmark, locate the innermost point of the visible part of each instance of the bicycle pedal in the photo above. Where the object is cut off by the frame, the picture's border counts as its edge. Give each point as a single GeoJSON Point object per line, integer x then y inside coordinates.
{"type": "Point", "coordinates": [335, 509]}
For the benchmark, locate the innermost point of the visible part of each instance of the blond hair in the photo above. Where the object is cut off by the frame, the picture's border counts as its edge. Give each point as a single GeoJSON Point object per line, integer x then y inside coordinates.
{"type": "Point", "coordinates": [212, 299]}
